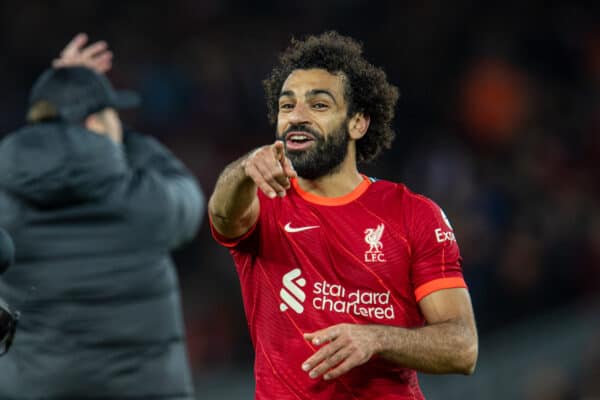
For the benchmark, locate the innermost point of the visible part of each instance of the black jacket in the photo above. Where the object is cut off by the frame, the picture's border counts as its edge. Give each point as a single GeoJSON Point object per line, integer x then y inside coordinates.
{"type": "Point", "coordinates": [93, 223]}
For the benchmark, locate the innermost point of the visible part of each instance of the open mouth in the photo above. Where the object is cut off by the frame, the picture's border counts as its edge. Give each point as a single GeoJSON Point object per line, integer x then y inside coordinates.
{"type": "Point", "coordinates": [298, 140]}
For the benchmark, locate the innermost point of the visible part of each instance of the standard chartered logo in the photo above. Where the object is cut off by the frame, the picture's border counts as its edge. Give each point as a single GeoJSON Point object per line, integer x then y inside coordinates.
{"type": "Point", "coordinates": [363, 303]}
{"type": "Point", "coordinates": [291, 293]}
{"type": "Point", "coordinates": [334, 298]}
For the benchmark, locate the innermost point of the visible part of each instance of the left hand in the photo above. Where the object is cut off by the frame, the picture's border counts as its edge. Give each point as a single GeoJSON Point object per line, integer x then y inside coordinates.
{"type": "Point", "coordinates": [345, 346]}
{"type": "Point", "coordinates": [96, 56]}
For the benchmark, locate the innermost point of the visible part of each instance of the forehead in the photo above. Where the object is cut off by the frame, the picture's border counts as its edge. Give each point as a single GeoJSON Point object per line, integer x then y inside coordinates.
{"type": "Point", "coordinates": [301, 81]}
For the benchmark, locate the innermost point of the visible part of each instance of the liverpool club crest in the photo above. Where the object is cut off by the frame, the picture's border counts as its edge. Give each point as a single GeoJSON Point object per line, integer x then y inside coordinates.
{"type": "Point", "coordinates": [373, 239]}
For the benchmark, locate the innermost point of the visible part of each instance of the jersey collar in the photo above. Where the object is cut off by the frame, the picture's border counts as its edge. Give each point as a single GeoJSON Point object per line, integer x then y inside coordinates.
{"type": "Point", "coordinates": [333, 201]}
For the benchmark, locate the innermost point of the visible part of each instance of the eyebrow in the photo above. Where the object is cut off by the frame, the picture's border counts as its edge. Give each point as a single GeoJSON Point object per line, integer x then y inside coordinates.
{"type": "Point", "coordinates": [310, 93]}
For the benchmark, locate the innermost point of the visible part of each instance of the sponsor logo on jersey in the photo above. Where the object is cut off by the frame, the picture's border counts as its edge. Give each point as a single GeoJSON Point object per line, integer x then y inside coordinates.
{"type": "Point", "coordinates": [362, 303]}
{"type": "Point", "coordinates": [443, 236]}
{"type": "Point", "coordinates": [334, 298]}
{"type": "Point", "coordinates": [292, 294]}
{"type": "Point", "coordinates": [373, 239]}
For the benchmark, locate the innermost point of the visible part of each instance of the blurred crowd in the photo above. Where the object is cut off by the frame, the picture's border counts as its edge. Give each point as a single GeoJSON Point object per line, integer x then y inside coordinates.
{"type": "Point", "coordinates": [498, 122]}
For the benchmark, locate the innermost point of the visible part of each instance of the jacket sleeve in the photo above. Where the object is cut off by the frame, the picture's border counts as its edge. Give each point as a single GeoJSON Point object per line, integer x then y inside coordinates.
{"type": "Point", "coordinates": [167, 197]}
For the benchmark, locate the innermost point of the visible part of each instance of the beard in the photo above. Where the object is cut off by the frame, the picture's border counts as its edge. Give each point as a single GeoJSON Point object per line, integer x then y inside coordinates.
{"type": "Point", "coordinates": [324, 157]}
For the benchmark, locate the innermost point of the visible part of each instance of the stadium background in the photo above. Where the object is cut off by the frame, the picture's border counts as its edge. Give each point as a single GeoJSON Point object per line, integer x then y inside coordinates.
{"type": "Point", "coordinates": [498, 121]}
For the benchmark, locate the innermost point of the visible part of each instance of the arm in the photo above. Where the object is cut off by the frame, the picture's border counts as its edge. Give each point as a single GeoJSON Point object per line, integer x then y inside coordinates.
{"type": "Point", "coordinates": [233, 206]}
{"type": "Point", "coordinates": [158, 184]}
{"type": "Point", "coordinates": [446, 344]}
{"type": "Point", "coordinates": [166, 188]}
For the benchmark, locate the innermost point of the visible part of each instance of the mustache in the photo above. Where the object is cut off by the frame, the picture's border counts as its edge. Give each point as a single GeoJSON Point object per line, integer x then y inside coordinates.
{"type": "Point", "coordinates": [300, 128]}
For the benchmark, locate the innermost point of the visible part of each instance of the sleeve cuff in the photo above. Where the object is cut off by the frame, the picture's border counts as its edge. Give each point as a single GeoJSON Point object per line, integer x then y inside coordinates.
{"type": "Point", "coordinates": [439, 284]}
{"type": "Point", "coordinates": [229, 242]}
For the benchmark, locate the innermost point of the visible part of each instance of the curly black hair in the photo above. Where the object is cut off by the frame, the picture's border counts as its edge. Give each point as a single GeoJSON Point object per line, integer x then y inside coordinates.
{"type": "Point", "coordinates": [367, 89]}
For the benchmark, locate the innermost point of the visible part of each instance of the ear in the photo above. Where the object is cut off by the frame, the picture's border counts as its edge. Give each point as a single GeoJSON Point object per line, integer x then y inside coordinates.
{"type": "Point", "coordinates": [94, 123]}
{"type": "Point", "coordinates": [91, 123]}
{"type": "Point", "coordinates": [358, 125]}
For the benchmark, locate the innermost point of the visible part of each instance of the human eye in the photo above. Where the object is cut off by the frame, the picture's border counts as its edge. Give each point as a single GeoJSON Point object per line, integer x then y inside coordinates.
{"type": "Point", "coordinates": [286, 105]}
{"type": "Point", "coordinates": [320, 105]}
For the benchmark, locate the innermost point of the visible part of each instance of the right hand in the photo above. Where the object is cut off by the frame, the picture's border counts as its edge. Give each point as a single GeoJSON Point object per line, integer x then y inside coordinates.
{"type": "Point", "coordinates": [270, 169]}
{"type": "Point", "coordinates": [95, 56]}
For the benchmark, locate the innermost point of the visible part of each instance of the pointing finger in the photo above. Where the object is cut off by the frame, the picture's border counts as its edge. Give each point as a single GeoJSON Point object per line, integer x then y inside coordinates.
{"type": "Point", "coordinates": [279, 150]}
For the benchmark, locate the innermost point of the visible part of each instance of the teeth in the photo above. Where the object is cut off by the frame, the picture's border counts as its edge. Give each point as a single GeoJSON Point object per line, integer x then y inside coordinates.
{"type": "Point", "coordinates": [299, 137]}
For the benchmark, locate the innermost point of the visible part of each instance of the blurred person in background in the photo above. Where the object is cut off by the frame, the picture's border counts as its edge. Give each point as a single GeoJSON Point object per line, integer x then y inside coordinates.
{"type": "Point", "coordinates": [350, 284]}
{"type": "Point", "coordinates": [8, 318]}
{"type": "Point", "coordinates": [94, 212]}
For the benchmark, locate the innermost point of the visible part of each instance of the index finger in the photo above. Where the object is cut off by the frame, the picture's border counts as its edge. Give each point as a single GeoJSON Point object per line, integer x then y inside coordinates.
{"type": "Point", "coordinates": [75, 45]}
{"type": "Point", "coordinates": [279, 150]}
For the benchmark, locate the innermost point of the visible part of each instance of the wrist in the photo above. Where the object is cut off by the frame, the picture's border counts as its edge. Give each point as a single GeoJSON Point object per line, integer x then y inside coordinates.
{"type": "Point", "coordinates": [386, 338]}
{"type": "Point", "coordinates": [380, 339]}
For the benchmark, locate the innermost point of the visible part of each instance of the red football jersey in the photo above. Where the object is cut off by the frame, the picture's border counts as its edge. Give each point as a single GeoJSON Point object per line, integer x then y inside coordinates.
{"type": "Point", "coordinates": [311, 262]}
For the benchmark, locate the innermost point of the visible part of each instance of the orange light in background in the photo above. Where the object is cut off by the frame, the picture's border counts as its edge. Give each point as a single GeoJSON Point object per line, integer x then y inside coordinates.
{"type": "Point", "coordinates": [494, 101]}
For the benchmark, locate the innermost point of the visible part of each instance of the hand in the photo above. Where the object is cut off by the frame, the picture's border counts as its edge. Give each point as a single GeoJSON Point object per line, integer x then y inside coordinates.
{"type": "Point", "coordinates": [345, 346]}
{"type": "Point", "coordinates": [270, 169]}
{"type": "Point", "coordinates": [95, 56]}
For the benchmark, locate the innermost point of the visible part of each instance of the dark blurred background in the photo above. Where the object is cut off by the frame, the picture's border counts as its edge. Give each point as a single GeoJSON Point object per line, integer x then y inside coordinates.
{"type": "Point", "coordinates": [498, 122]}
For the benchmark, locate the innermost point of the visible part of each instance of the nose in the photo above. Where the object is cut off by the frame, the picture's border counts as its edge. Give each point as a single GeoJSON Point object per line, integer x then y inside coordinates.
{"type": "Point", "coordinates": [299, 115]}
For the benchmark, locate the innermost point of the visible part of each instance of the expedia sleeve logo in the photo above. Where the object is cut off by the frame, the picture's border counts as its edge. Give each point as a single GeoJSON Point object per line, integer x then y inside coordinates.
{"type": "Point", "coordinates": [443, 236]}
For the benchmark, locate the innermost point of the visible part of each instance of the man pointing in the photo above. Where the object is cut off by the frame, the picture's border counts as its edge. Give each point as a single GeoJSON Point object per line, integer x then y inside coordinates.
{"type": "Point", "coordinates": [347, 289]}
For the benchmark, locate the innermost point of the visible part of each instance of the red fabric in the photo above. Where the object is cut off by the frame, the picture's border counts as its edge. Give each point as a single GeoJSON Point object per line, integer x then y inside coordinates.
{"type": "Point", "coordinates": [339, 270]}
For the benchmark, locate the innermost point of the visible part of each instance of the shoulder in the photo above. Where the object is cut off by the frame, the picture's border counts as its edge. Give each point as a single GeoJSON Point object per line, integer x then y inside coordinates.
{"type": "Point", "coordinates": [413, 206]}
{"type": "Point", "coordinates": [133, 137]}
{"type": "Point", "coordinates": [392, 193]}
{"type": "Point", "coordinates": [135, 141]}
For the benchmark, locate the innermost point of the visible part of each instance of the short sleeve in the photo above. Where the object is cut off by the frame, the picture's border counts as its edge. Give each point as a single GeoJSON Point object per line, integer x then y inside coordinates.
{"type": "Point", "coordinates": [230, 242]}
{"type": "Point", "coordinates": [249, 241]}
{"type": "Point", "coordinates": [436, 261]}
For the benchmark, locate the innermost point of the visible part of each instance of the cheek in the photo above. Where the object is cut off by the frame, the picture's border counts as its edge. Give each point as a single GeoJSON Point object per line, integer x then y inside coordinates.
{"type": "Point", "coordinates": [280, 125]}
{"type": "Point", "coordinates": [335, 125]}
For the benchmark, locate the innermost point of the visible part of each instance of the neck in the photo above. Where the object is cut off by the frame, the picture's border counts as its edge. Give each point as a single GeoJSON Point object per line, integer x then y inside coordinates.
{"type": "Point", "coordinates": [337, 184]}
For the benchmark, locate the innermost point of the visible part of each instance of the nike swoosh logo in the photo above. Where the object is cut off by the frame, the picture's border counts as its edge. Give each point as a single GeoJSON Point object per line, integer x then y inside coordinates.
{"type": "Point", "coordinates": [289, 228]}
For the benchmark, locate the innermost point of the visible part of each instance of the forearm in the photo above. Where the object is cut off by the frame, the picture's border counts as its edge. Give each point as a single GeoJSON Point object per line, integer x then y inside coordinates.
{"type": "Point", "coordinates": [233, 206]}
{"type": "Point", "coordinates": [445, 347]}
{"type": "Point", "coordinates": [447, 344]}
